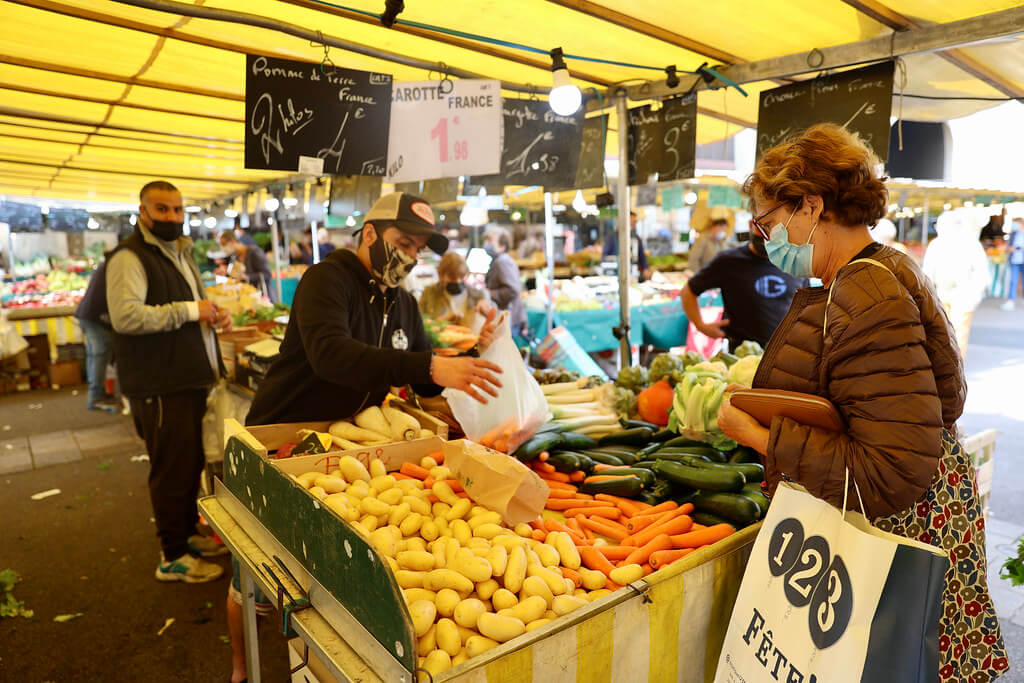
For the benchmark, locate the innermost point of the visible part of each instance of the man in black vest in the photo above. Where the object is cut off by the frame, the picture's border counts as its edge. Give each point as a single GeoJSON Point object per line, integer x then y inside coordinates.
{"type": "Point", "coordinates": [167, 360]}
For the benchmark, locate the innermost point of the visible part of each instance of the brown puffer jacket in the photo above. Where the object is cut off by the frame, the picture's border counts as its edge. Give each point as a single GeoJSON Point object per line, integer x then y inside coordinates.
{"type": "Point", "coordinates": [889, 361]}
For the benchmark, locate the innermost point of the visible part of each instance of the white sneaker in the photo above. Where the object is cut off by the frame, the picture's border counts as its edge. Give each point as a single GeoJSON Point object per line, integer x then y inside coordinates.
{"type": "Point", "coordinates": [188, 569]}
{"type": "Point", "coordinates": [206, 546]}
{"type": "Point", "coordinates": [1007, 305]}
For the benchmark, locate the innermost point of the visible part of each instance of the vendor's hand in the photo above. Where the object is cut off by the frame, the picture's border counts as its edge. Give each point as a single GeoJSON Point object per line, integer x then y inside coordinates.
{"type": "Point", "coordinates": [488, 333]}
{"type": "Point", "coordinates": [223, 321]}
{"type": "Point", "coordinates": [715, 330]}
{"type": "Point", "coordinates": [208, 311]}
{"type": "Point", "coordinates": [742, 427]}
{"type": "Point", "coordinates": [466, 374]}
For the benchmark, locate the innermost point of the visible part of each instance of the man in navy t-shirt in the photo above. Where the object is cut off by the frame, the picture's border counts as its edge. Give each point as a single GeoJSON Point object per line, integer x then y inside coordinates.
{"type": "Point", "coordinates": [756, 294]}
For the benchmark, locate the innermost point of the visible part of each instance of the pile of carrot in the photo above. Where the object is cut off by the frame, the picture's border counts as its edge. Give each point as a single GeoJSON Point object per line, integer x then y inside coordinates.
{"type": "Point", "coordinates": [652, 536]}
{"type": "Point", "coordinates": [410, 470]}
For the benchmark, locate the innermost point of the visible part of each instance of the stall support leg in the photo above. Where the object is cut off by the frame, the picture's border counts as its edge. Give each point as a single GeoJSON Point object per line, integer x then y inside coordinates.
{"type": "Point", "coordinates": [622, 224]}
{"type": "Point", "coordinates": [549, 251]}
{"type": "Point", "coordinates": [252, 641]}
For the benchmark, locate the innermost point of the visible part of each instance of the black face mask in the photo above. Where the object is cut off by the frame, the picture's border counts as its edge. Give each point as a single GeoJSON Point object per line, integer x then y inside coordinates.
{"type": "Point", "coordinates": [168, 231]}
{"type": "Point", "coordinates": [758, 243]}
{"type": "Point", "coordinates": [455, 288]}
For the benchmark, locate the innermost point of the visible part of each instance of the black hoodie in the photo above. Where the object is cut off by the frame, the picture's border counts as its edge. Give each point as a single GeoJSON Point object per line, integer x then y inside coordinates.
{"type": "Point", "coordinates": [346, 344]}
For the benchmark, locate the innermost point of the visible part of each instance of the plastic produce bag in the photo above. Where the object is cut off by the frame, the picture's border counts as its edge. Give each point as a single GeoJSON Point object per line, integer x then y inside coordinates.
{"type": "Point", "coordinates": [519, 408]}
{"type": "Point", "coordinates": [221, 404]}
{"type": "Point", "coordinates": [11, 343]}
{"type": "Point", "coordinates": [496, 481]}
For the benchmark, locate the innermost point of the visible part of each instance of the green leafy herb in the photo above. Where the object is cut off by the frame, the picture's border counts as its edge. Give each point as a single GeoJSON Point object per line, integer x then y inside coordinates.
{"type": "Point", "coordinates": [1013, 568]}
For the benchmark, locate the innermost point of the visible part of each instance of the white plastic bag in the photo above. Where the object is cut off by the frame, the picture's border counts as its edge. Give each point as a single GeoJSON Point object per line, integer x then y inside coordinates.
{"type": "Point", "coordinates": [221, 404]}
{"type": "Point", "coordinates": [519, 409]}
{"type": "Point", "coordinates": [11, 343]}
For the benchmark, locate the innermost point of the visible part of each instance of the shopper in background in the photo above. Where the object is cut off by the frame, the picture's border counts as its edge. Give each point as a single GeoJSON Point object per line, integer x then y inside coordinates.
{"type": "Point", "coordinates": [243, 235]}
{"type": "Point", "coordinates": [94, 320]}
{"type": "Point", "coordinates": [354, 333]}
{"type": "Point", "coordinates": [885, 233]}
{"type": "Point", "coordinates": [755, 294]}
{"type": "Point", "coordinates": [167, 360]}
{"type": "Point", "coordinates": [451, 298]}
{"type": "Point", "coordinates": [257, 270]}
{"type": "Point", "coordinates": [957, 265]}
{"type": "Point", "coordinates": [503, 281]}
{"type": "Point", "coordinates": [714, 239]}
{"type": "Point", "coordinates": [876, 342]}
{"type": "Point", "coordinates": [637, 254]}
{"type": "Point", "coordinates": [1015, 256]}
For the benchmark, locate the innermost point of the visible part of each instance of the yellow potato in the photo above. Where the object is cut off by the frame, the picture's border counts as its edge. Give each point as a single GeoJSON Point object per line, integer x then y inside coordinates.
{"type": "Point", "coordinates": [372, 506]}
{"type": "Point", "coordinates": [407, 578]}
{"type": "Point", "coordinates": [446, 601]}
{"type": "Point", "coordinates": [563, 604]}
{"type": "Point", "coordinates": [524, 530]}
{"type": "Point", "coordinates": [318, 492]}
{"type": "Point", "coordinates": [534, 585]}
{"type": "Point", "coordinates": [384, 541]}
{"type": "Point", "coordinates": [415, 543]}
{"type": "Point", "coordinates": [330, 484]}
{"type": "Point", "coordinates": [461, 531]}
{"type": "Point", "coordinates": [537, 623]}
{"type": "Point", "coordinates": [383, 483]}
{"type": "Point", "coordinates": [390, 496]}
{"type": "Point", "coordinates": [429, 530]}
{"type": "Point", "coordinates": [598, 594]}
{"type": "Point", "coordinates": [422, 613]}
{"type": "Point", "coordinates": [498, 557]}
{"type": "Point", "coordinates": [428, 463]}
{"type": "Point", "coordinates": [440, 473]}
{"type": "Point", "coordinates": [411, 524]}
{"type": "Point", "coordinates": [474, 568]}
{"type": "Point", "coordinates": [499, 628]}
{"type": "Point", "coordinates": [417, 504]}
{"type": "Point", "coordinates": [377, 469]}
{"type": "Point", "coordinates": [437, 662]}
{"type": "Point", "coordinates": [412, 595]}
{"type": "Point", "coordinates": [504, 599]}
{"type": "Point", "coordinates": [448, 578]}
{"type": "Point", "coordinates": [448, 638]}
{"type": "Point", "coordinates": [487, 517]}
{"type": "Point", "coordinates": [515, 569]}
{"type": "Point", "coordinates": [444, 493]}
{"type": "Point", "coordinates": [478, 645]}
{"type": "Point", "coordinates": [369, 522]}
{"type": "Point", "coordinates": [440, 509]}
{"type": "Point", "coordinates": [549, 556]}
{"type": "Point", "coordinates": [460, 658]}
{"type": "Point", "coordinates": [468, 611]}
{"type": "Point", "coordinates": [353, 469]}
{"type": "Point", "coordinates": [487, 531]}
{"type": "Point", "coordinates": [418, 560]}
{"type": "Point", "coordinates": [428, 642]}
{"type": "Point", "coordinates": [626, 575]}
{"type": "Point", "coordinates": [306, 479]}
{"type": "Point", "coordinates": [485, 589]}
{"type": "Point", "coordinates": [459, 510]}
{"type": "Point", "coordinates": [527, 610]}
{"type": "Point", "coordinates": [563, 543]}
{"type": "Point", "coordinates": [592, 579]}
{"type": "Point", "coordinates": [554, 580]}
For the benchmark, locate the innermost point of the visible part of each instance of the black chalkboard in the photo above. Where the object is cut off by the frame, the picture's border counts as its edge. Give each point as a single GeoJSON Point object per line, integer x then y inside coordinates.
{"type": "Point", "coordinates": [21, 217]}
{"type": "Point", "coordinates": [68, 220]}
{"type": "Point", "coordinates": [590, 169]}
{"type": "Point", "coordinates": [294, 109]}
{"type": "Point", "coordinates": [663, 142]}
{"type": "Point", "coordinates": [860, 100]}
{"type": "Point", "coordinates": [539, 147]}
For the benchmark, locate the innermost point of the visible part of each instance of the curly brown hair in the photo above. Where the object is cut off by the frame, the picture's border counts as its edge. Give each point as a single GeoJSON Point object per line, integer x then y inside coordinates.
{"type": "Point", "coordinates": [825, 160]}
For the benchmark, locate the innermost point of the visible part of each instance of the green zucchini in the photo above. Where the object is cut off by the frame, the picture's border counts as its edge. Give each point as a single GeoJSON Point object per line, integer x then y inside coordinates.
{"type": "Point", "coordinates": [571, 441]}
{"type": "Point", "coordinates": [752, 472]}
{"type": "Point", "coordinates": [734, 507]}
{"type": "Point", "coordinates": [645, 464]}
{"type": "Point", "coordinates": [663, 435]}
{"type": "Point", "coordinates": [753, 491]}
{"type": "Point", "coordinates": [745, 454]}
{"type": "Point", "coordinates": [639, 437]}
{"type": "Point", "coordinates": [549, 427]}
{"type": "Point", "coordinates": [634, 424]}
{"type": "Point", "coordinates": [564, 461]}
{"type": "Point", "coordinates": [625, 487]}
{"type": "Point", "coordinates": [646, 476]}
{"type": "Point", "coordinates": [537, 444]}
{"type": "Point", "coordinates": [604, 458]}
{"type": "Point", "coordinates": [680, 457]}
{"type": "Point", "coordinates": [708, 519]}
{"type": "Point", "coordinates": [702, 478]}
{"type": "Point", "coordinates": [648, 450]}
{"type": "Point", "coordinates": [682, 441]}
{"type": "Point", "coordinates": [708, 452]}
{"type": "Point", "coordinates": [625, 457]}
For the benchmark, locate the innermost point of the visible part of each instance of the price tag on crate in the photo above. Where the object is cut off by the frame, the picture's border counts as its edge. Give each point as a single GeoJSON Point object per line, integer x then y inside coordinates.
{"type": "Point", "coordinates": [444, 129]}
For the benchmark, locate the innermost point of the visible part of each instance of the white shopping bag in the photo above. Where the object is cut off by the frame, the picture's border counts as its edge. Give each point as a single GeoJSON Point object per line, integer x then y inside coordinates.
{"type": "Point", "coordinates": [827, 597]}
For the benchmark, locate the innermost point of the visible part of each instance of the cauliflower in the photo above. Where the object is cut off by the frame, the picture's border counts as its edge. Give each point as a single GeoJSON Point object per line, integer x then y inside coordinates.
{"type": "Point", "coordinates": [632, 378]}
{"type": "Point", "coordinates": [748, 348]}
{"type": "Point", "coordinates": [743, 370]}
{"type": "Point", "coordinates": [666, 366]}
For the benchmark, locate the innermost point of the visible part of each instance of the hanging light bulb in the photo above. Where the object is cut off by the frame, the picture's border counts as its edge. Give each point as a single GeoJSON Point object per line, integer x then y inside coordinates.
{"type": "Point", "coordinates": [565, 97]}
{"type": "Point", "coordinates": [350, 221]}
{"type": "Point", "coordinates": [271, 204]}
{"type": "Point", "coordinates": [578, 202]}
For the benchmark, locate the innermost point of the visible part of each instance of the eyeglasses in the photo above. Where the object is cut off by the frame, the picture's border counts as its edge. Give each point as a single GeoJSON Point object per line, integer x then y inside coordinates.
{"type": "Point", "coordinates": [761, 227]}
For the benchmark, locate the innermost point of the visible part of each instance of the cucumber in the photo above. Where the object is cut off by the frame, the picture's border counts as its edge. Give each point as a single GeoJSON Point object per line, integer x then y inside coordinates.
{"type": "Point", "coordinates": [638, 436]}
{"type": "Point", "coordinates": [681, 457]}
{"type": "Point", "coordinates": [735, 508]}
{"type": "Point", "coordinates": [751, 472]}
{"type": "Point", "coordinates": [564, 461]}
{"type": "Point", "coordinates": [708, 519]}
{"type": "Point", "coordinates": [646, 476]}
{"type": "Point", "coordinates": [745, 454]}
{"type": "Point", "coordinates": [571, 441]}
{"type": "Point", "coordinates": [663, 435]}
{"type": "Point", "coordinates": [537, 444]}
{"type": "Point", "coordinates": [604, 458]}
{"type": "Point", "coordinates": [624, 487]}
{"type": "Point", "coordinates": [703, 451]}
{"type": "Point", "coordinates": [634, 424]}
{"type": "Point", "coordinates": [753, 491]}
{"type": "Point", "coordinates": [682, 441]}
{"type": "Point", "coordinates": [623, 456]}
{"type": "Point", "coordinates": [703, 478]}
{"type": "Point", "coordinates": [644, 464]}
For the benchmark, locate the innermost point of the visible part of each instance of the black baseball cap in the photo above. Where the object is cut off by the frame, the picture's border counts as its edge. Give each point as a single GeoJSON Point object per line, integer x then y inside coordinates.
{"type": "Point", "coordinates": [409, 214]}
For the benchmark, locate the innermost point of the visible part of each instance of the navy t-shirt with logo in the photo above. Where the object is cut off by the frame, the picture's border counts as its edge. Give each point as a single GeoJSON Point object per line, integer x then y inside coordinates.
{"type": "Point", "coordinates": [755, 293]}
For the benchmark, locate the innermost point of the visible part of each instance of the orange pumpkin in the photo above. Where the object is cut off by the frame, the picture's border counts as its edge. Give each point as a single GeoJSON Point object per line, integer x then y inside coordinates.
{"type": "Point", "coordinates": [653, 403]}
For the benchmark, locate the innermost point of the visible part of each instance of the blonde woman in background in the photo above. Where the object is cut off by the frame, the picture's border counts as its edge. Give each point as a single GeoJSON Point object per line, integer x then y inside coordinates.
{"type": "Point", "coordinates": [451, 298]}
{"type": "Point", "coordinates": [715, 238]}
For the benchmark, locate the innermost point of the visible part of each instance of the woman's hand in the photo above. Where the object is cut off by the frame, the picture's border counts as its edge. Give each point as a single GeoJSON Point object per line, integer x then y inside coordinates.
{"type": "Point", "coordinates": [742, 428]}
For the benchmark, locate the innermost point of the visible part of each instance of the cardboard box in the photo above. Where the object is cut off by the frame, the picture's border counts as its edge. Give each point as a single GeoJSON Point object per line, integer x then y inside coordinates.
{"type": "Point", "coordinates": [65, 373]}
{"type": "Point", "coordinates": [231, 345]}
{"type": "Point", "coordinates": [38, 352]}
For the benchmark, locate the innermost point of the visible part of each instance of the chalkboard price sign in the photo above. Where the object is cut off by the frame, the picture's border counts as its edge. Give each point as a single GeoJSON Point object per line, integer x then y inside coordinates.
{"type": "Point", "coordinates": [663, 142]}
{"type": "Point", "coordinates": [860, 100]}
{"type": "Point", "coordinates": [590, 169]}
{"type": "Point", "coordinates": [293, 110]}
{"type": "Point", "coordinates": [68, 220]}
{"type": "Point", "coordinates": [539, 147]}
{"type": "Point", "coordinates": [21, 217]}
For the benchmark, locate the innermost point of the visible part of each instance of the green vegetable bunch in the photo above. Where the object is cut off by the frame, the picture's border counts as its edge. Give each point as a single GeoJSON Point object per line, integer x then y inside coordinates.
{"type": "Point", "coordinates": [9, 606]}
{"type": "Point", "coordinates": [667, 366]}
{"type": "Point", "coordinates": [694, 411]}
{"type": "Point", "coordinates": [633, 378]}
{"type": "Point", "coordinates": [748, 348]}
{"type": "Point", "coordinates": [625, 402]}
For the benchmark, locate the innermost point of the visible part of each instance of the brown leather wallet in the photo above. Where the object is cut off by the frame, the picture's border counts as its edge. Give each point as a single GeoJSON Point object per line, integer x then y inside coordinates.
{"type": "Point", "coordinates": [806, 409]}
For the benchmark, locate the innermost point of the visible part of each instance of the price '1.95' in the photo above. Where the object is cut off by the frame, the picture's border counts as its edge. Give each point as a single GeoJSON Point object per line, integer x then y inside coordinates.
{"type": "Point", "coordinates": [460, 148]}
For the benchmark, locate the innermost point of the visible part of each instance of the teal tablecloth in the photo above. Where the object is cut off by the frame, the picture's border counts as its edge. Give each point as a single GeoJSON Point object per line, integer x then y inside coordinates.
{"type": "Point", "coordinates": [662, 325]}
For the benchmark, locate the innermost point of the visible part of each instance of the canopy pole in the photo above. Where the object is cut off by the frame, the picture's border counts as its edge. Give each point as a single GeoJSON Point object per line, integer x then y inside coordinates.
{"type": "Point", "coordinates": [549, 251]}
{"type": "Point", "coordinates": [622, 187]}
{"type": "Point", "coordinates": [924, 226]}
{"type": "Point", "coordinates": [275, 238]}
{"type": "Point", "coordinates": [316, 242]}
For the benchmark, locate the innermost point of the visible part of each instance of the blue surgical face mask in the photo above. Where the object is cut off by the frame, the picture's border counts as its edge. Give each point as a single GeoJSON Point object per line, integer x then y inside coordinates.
{"type": "Point", "coordinates": [795, 259]}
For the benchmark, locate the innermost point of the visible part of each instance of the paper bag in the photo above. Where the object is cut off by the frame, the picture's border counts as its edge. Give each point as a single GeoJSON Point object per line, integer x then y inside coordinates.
{"type": "Point", "coordinates": [497, 481]}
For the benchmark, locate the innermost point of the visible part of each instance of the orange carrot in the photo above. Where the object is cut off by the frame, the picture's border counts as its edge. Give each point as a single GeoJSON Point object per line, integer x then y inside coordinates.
{"type": "Point", "coordinates": [697, 527]}
{"type": "Point", "coordinates": [641, 554]}
{"type": "Point", "coordinates": [601, 467]}
{"type": "Point", "coordinates": [678, 524]}
{"type": "Point", "coordinates": [573, 576]}
{"type": "Point", "coordinates": [588, 533]}
{"type": "Point", "coordinates": [438, 456]}
{"type": "Point", "coordinates": [686, 508]}
{"type": "Point", "coordinates": [432, 499]}
{"type": "Point", "coordinates": [429, 482]}
{"type": "Point", "coordinates": [544, 455]}
{"type": "Point", "coordinates": [544, 467]}
{"type": "Point", "coordinates": [575, 526]}
{"type": "Point", "coordinates": [577, 476]}
{"type": "Point", "coordinates": [554, 475]}
{"type": "Point", "coordinates": [612, 586]}
{"type": "Point", "coordinates": [552, 525]}
{"type": "Point", "coordinates": [639, 522]}
{"type": "Point", "coordinates": [559, 485]}
{"type": "Point", "coordinates": [628, 507]}
{"type": "Point", "coordinates": [566, 503]}
{"type": "Point", "coordinates": [601, 526]}
{"type": "Point", "coordinates": [558, 493]}
{"type": "Point", "coordinates": [455, 484]}
{"type": "Point", "coordinates": [583, 496]}
{"type": "Point", "coordinates": [595, 560]}
{"type": "Point", "coordinates": [615, 552]}
{"type": "Point", "coordinates": [501, 444]}
{"type": "Point", "coordinates": [399, 476]}
{"type": "Point", "coordinates": [660, 558]}
{"type": "Point", "coordinates": [537, 524]}
{"type": "Point", "coordinates": [539, 534]}
{"type": "Point", "coordinates": [695, 539]}
{"type": "Point", "coordinates": [462, 494]}
{"type": "Point", "coordinates": [600, 511]}
{"type": "Point", "coordinates": [605, 477]}
{"type": "Point", "coordinates": [648, 569]}
{"type": "Point", "coordinates": [413, 470]}
{"type": "Point", "coordinates": [662, 507]}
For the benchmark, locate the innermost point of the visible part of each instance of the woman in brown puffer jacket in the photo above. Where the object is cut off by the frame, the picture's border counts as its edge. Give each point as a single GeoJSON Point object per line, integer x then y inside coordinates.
{"type": "Point", "coordinates": [876, 342]}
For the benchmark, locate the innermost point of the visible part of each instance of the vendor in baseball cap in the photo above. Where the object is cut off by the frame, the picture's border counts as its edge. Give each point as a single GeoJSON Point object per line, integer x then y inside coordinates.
{"type": "Point", "coordinates": [393, 232]}
{"type": "Point", "coordinates": [409, 214]}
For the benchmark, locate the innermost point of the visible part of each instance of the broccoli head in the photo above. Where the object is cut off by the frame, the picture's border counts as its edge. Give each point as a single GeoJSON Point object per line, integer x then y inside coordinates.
{"type": "Point", "coordinates": [692, 358]}
{"type": "Point", "coordinates": [632, 378]}
{"type": "Point", "coordinates": [666, 366]}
